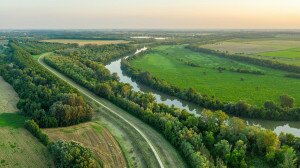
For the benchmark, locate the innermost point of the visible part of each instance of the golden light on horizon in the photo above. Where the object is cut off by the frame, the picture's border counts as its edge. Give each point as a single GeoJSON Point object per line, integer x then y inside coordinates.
{"type": "Point", "coordinates": [151, 14]}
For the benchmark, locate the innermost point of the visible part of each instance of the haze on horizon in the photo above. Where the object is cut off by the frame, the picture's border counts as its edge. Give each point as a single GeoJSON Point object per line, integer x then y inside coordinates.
{"type": "Point", "coordinates": [150, 14]}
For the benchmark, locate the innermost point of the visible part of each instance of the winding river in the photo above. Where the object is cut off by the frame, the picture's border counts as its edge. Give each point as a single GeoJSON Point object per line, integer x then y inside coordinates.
{"type": "Point", "coordinates": [276, 126]}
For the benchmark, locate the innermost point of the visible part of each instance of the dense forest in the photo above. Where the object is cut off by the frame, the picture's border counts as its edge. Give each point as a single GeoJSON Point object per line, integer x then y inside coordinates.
{"type": "Point", "coordinates": [270, 110]}
{"type": "Point", "coordinates": [44, 98]}
{"type": "Point", "coordinates": [210, 139]}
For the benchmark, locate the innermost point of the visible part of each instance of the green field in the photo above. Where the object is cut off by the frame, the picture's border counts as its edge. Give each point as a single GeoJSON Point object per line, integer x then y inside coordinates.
{"type": "Point", "coordinates": [18, 148]}
{"type": "Point", "coordinates": [289, 53]}
{"type": "Point", "coordinates": [169, 63]}
{"type": "Point", "coordinates": [281, 50]}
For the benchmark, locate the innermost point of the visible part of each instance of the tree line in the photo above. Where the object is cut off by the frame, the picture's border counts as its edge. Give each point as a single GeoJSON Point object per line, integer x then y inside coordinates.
{"type": "Point", "coordinates": [208, 140]}
{"type": "Point", "coordinates": [44, 98]}
{"type": "Point", "coordinates": [270, 110]}
{"type": "Point", "coordinates": [251, 60]}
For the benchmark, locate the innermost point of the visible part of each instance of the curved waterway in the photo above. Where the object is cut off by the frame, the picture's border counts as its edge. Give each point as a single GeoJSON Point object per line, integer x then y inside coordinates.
{"type": "Point", "coordinates": [276, 126]}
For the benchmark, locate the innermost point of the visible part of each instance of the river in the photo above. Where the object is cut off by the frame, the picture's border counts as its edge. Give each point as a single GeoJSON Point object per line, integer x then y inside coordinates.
{"type": "Point", "coordinates": [276, 126]}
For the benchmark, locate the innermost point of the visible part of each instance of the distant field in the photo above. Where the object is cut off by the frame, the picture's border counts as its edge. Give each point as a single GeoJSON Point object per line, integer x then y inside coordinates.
{"type": "Point", "coordinates": [8, 98]}
{"type": "Point", "coordinates": [83, 42]}
{"type": "Point", "coordinates": [18, 148]}
{"type": "Point", "coordinates": [169, 63]}
{"type": "Point", "coordinates": [95, 137]}
{"type": "Point", "coordinates": [285, 51]}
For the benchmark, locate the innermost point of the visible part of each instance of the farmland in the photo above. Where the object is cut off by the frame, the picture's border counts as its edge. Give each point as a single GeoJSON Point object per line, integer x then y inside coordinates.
{"type": "Point", "coordinates": [18, 147]}
{"type": "Point", "coordinates": [277, 49]}
{"type": "Point", "coordinates": [170, 63]}
{"type": "Point", "coordinates": [8, 98]}
{"type": "Point", "coordinates": [95, 137]}
{"type": "Point", "coordinates": [84, 42]}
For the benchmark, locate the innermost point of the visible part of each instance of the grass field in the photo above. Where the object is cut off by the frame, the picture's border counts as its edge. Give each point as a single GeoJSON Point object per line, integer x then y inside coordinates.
{"type": "Point", "coordinates": [18, 148]}
{"type": "Point", "coordinates": [8, 98]}
{"type": "Point", "coordinates": [95, 137]}
{"type": "Point", "coordinates": [282, 50]}
{"type": "Point", "coordinates": [83, 42]}
{"type": "Point", "coordinates": [169, 63]}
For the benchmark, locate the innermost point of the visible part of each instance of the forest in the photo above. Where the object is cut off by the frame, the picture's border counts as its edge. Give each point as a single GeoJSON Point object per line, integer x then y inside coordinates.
{"type": "Point", "coordinates": [43, 98]}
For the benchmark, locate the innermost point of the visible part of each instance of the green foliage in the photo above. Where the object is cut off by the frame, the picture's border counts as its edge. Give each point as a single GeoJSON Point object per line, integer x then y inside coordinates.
{"type": "Point", "coordinates": [72, 154]}
{"type": "Point", "coordinates": [222, 150]}
{"type": "Point", "coordinates": [38, 89]}
{"type": "Point", "coordinates": [238, 155]}
{"type": "Point", "coordinates": [35, 130]}
{"type": "Point", "coordinates": [36, 48]}
{"type": "Point", "coordinates": [287, 101]}
{"type": "Point", "coordinates": [71, 110]}
{"type": "Point", "coordinates": [290, 158]}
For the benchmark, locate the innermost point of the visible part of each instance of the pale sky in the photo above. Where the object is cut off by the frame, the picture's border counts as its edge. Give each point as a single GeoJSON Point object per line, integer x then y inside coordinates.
{"type": "Point", "coordinates": [150, 14]}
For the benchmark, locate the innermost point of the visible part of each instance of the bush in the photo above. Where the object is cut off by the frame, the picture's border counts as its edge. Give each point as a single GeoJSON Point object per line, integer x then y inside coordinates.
{"type": "Point", "coordinates": [35, 130]}
{"type": "Point", "coordinates": [72, 154]}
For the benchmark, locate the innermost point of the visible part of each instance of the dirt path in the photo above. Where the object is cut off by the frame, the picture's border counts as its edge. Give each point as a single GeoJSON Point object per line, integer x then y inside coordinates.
{"type": "Point", "coordinates": [148, 146]}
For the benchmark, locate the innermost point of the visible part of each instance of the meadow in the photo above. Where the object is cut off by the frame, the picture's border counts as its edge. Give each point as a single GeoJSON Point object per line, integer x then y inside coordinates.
{"type": "Point", "coordinates": [82, 42]}
{"type": "Point", "coordinates": [18, 147]}
{"type": "Point", "coordinates": [172, 63]}
{"type": "Point", "coordinates": [277, 49]}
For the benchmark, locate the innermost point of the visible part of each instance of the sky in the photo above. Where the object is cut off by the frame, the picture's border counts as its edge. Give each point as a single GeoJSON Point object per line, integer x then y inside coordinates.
{"type": "Point", "coordinates": [149, 14]}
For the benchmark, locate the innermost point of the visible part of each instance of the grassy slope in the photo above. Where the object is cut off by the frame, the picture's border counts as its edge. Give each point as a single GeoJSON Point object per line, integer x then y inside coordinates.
{"type": "Point", "coordinates": [135, 148]}
{"type": "Point", "coordinates": [282, 50]}
{"type": "Point", "coordinates": [18, 148]}
{"type": "Point", "coordinates": [164, 63]}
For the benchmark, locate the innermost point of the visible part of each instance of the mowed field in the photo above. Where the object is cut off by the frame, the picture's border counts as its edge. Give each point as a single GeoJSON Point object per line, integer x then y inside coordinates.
{"type": "Point", "coordinates": [169, 63]}
{"type": "Point", "coordinates": [18, 148]}
{"type": "Point", "coordinates": [95, 137]}
{"type": "Point", "coordinates": [281, 50]}
{"type": "Point", "coordinates": [8, 98]}
{"type": "Point", "coordinates": [84, 42]}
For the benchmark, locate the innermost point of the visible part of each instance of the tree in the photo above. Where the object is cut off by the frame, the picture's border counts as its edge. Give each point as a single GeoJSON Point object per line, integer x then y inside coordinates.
{"type": "Point", "coordinates": [222, 150]}
{"type": "Point", "coordinates": [72, 154]}
{"type": "Point", "coordinates": [209, 139]}
{"type": "Point", "coordinates": [199, 161]}
{"type": "Point", "coordinates": [32, 127]}
{"type": "Point", "coordinates": [104, 90]}
{"type": "Point", "coordinates": [290, 158]}
{"type": "Point", "coordinates": [271, 105]}
{"type": "Point", "coordinates": [237, 158]}
{"type": "Point", "coordinates": [287, 101]}
{"type": "Point", "coordinates": [70, 110]}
